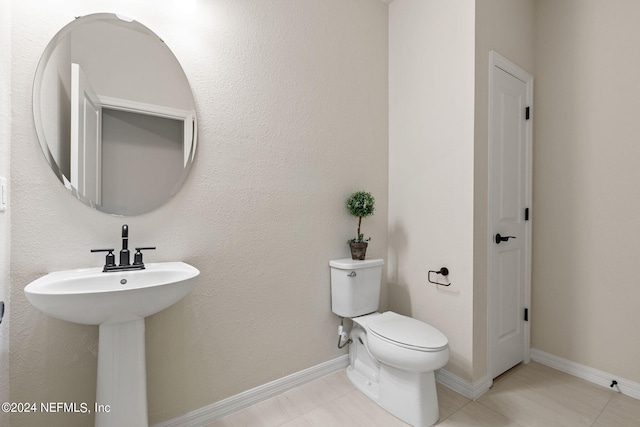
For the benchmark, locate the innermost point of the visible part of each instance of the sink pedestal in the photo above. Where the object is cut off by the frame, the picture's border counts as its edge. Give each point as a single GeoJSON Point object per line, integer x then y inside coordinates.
{"type": "Point", "coordinates": [121, 396]}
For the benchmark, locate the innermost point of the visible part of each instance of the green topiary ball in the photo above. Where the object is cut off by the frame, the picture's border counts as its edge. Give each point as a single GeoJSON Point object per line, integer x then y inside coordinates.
{"type": "Point", "coordinates": [361, 204]}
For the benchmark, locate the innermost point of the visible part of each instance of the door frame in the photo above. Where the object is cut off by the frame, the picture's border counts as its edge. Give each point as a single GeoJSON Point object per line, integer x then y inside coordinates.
{"type": "Point", "coordinates": [187, 117]}
{"type": "Point", "coordinates": [496, 60]}
{"type": "Point", "coordinates": [83, 93]}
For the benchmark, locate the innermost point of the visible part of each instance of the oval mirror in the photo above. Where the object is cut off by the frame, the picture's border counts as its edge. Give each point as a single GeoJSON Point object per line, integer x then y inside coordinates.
{"type": "Point", "coordinates": [114, 114]}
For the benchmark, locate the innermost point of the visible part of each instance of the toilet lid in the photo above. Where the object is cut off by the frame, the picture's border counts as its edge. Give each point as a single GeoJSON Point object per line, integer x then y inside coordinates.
{"type": "Point", "coordinates": [407, 331]}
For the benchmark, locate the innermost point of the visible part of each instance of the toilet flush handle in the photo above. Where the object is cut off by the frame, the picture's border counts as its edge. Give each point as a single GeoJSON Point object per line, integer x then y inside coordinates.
{"type": "Point", "coordinates": [352, 274]}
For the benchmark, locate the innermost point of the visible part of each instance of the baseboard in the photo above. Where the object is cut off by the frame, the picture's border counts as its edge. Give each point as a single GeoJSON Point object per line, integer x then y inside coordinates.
{"type": "Point", "coordinates": [210, 413]}
{"type": "Point", "coordinates": [469, 390]}
{"type": "Point", "coordinates": [596, 376]}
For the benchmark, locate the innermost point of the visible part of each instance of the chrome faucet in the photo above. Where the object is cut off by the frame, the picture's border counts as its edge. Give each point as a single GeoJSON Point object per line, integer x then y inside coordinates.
{"type": "Point", "coordinates": [125, 255]}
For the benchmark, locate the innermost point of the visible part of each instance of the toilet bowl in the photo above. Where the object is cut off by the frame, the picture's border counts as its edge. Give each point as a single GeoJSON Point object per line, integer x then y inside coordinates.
{"type": "Point", "coordinates": [405, 343]}
{"type": "Point", "coordinates": [392, 358]}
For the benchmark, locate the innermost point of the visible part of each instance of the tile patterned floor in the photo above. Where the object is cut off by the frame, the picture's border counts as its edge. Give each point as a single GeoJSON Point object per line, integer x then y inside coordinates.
{"type": "Point", "coordinates": [530, 395]}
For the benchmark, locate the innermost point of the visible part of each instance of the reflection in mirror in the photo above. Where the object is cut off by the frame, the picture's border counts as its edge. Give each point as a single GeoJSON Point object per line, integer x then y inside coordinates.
{"type": "Point", "coordinates": [114, 114]}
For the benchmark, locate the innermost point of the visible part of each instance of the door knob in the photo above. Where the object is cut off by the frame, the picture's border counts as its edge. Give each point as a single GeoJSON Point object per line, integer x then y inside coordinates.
{"type": "Point", "coordinates": [500, 238]}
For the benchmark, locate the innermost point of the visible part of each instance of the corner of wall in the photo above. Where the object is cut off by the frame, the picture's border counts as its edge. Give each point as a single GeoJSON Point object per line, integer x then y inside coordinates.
{"type": "Point", "coordinates": [431, 48]}
{"type": "Point", "coordinates": [5, 223]}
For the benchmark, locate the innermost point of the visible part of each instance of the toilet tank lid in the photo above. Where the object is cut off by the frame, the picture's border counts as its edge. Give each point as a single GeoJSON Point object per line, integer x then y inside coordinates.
{"type": "Point", "coordinates": [353, 264]}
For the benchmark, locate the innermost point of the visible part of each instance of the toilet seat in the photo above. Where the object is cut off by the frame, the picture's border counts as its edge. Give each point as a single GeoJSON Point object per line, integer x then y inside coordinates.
{"type": "Point", "coordinates": [407, 332]}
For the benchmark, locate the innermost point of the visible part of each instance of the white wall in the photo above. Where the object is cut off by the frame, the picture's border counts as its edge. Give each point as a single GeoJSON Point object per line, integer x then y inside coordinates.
{"type": "Point", "coordinates": [5, 225]}
{"type": "Point", "coordinates": [586, 202]}
{"type": "Point", "coordinates": [431, 154]}
{"type": "Point", "coordinates": [292, 102]}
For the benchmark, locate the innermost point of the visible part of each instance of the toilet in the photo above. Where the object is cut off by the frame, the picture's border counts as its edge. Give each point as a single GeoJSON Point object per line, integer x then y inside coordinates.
{"type": "Point", "coordinates": [392, 358]}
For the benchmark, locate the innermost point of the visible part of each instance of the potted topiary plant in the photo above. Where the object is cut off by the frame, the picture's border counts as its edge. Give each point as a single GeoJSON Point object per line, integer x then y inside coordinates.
{"type": "Point", "coordinates": [362, 205]}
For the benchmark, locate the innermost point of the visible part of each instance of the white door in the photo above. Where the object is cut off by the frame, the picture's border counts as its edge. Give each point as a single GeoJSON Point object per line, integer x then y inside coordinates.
{"type": "Point", "coordinates": [509, 250]}
{"type": "Point", "coordinates": [86, 137]}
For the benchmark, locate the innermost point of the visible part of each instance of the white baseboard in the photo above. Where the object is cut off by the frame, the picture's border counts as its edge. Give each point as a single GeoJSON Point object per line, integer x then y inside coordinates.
{"type": "Point", "coordinates": [469, 390]}
{"type": "Point", "coordinates": [596, 376]}
{"type": "Point", "coordinates": [206, 415]}
{"type": "Point", "coordinates": [475, 390]}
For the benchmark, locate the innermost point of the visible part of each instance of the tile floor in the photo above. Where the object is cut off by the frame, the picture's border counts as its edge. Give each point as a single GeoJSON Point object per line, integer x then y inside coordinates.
{"type": "Point", "coordinates": [528, 395]}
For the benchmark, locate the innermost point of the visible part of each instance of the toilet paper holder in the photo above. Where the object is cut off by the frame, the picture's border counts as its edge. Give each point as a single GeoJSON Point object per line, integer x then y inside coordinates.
{"type": "Point", "coordinates": [444, 271]}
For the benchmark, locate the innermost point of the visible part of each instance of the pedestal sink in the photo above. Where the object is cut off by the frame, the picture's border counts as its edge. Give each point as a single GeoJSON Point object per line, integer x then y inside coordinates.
{"type": "Point", "coordinates": [118, 302]}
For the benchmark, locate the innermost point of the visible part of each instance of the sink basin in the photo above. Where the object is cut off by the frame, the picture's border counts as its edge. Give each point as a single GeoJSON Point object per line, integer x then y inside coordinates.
{"type": "Point", "coordinates": [118, 302]}
{"type": "Point", "coordinates": [91, 297]}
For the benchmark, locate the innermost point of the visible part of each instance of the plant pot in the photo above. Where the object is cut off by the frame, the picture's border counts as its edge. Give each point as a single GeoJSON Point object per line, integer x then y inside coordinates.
{"type": "Point", "coordinates": [358, 250]}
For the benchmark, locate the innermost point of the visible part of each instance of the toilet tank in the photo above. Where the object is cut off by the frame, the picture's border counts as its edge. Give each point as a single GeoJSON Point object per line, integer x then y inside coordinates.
{"type": "Point", "coordinates": [355, 286]}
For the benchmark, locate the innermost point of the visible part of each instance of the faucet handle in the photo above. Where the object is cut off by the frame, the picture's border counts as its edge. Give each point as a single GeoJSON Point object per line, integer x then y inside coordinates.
{"type": "Point", "coordinates": [110, 259]}
{"type": "Point", "coordinates": [137, 258]}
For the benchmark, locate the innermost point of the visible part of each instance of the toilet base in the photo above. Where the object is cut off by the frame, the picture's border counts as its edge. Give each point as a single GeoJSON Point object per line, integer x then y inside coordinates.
{"type": "Point", "coordinates": [409, 396]}
{"type": "Point", "coordinates": [368, 387]}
